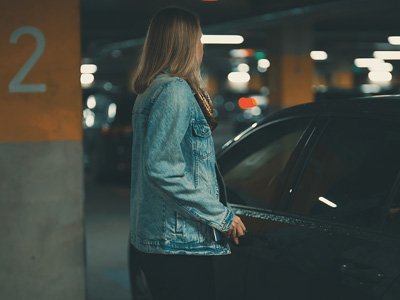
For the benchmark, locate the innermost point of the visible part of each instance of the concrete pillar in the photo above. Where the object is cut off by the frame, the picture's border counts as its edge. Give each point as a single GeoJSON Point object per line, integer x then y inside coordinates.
{"type": "Point", "coordinates": [291, 73]}
{"type": "Point", "coordinates": [342, 75]}
{"type": "Point", "coordinates": [41, 173]}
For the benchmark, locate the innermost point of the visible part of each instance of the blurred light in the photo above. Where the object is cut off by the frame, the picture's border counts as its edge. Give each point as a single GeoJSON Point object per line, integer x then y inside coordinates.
{"type": "Point", "coordinates": [215, 113]}
{"type": "Point", "coordinates": [218, 100]}
{"type": "Point", "coordinates": [222, 39]}
{"type": "Point", "coordinates": [238, 87]}
{"type": "Point", "coordinates": [261, 70]}
{"type": "Point", "coordinates": [238, 77]}
{"type": "Point", "coordinates": [259, 55]}
{"type": "Point", "coordinates": [241, 53]}
{"type": "Point", "coordinates": [88, 69]}
{"type": "Point", "coordinates": [229, 106]}
{"type": "Point", "coordinates": [327, 202]}
{"type": "Point", "coordinates": [380, 76]}
{"type": "Point", "coordinates": [108, 86]}
{"type": "Point", "coordinates": [367, 62]}
{"type": "Point", "coordinates": [319, 55]}
{"type": "Point", "coordinates": [389, 55]}
{"type": "Point", "coordinates": [388, 67]}
{"type": "Point", "coordinates": [86, 112]}
{"type": "Point", "coordinates": [245, 103]}
{"type": "Point", "coordinates": [89, 121]}
{"type": "Point", "coordinates": [247, 114]}
{"type": "Point", "coordinates": [112, 110]}
{"type": "Point", "coordinates": [262, 100]}
{"type": "Point", "coordinates": [394, 40]}
{"type": "Point", "coordinates": [256, 111]}
{"type": "Point", "coordinates": [116, 53]}
{"type": "Point", "coordinates": [238, 53]}
{"type": "Point", "coordinates": [87, 79]}
{"type": "Point", "coordinates": [370, 88]}
{"type": "Point", "coordinates": [243, 68]}
{"type": "Point", "coordinates": [319, 88]}
{"type": "Point", "coordinates": [91, 102]}
{"type": "Point", "coordinates": [264, 91]}
{"type": "Point", "coordinates": [263, 63]}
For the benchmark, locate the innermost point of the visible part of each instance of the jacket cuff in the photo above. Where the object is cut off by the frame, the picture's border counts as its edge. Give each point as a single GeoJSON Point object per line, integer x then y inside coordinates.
{"type": "Point", "coordinates": [227, 222]}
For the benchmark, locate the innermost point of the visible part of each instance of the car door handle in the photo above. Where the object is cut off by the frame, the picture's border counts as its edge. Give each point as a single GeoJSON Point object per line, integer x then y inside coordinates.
{"type": "Point", "coordinates": [362, 272]}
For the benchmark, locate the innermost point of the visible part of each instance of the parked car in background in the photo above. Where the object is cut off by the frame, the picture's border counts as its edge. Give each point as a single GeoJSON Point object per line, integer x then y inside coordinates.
{"type": "Point", "coordinates": [317, 186]}
{"type": "Point", "coordinates": [107, 133]}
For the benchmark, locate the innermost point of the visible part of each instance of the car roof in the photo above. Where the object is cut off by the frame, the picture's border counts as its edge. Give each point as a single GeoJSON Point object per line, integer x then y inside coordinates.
{"type": "Point", "coordinates": [383, 106]}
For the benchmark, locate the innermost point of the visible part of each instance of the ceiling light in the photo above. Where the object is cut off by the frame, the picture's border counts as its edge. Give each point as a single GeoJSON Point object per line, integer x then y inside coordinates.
{"type": "Point", "coordinates": [388, 67]}
{"type": "Point", "coordinates": [112, 110]}
{"type": "Point", "coordinates": [263, 63]}
{"type": "Point", "coordinates": [380, 76]}
{"type": "Point", "coordinates": [87, 78]}
{"type": "Point", "coordinates": [367, 62]}
{"type": "Point", "coordinates": [91, 102]}
{"type": "Point", "coordinates": [394, 40]}
{"type": "Point", "coordinates": [318, 55]}
{"type": "Point", "coordinates": [89, 121]}
{"type": "Point", "coordinates": [389, 55]}
{"type": "Point", "coordinates": [222, 39]}
{"type": "Point", "coordinates": [238, 77]}
{"type": "Point", "coordinates": [88, 68]}
{"type": "Point", "coordinates": [243, 67]}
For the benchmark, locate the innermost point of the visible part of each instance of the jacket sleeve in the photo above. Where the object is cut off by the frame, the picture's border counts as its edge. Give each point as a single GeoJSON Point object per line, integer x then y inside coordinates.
{"type": "Point", "coordinates": [169, 120]}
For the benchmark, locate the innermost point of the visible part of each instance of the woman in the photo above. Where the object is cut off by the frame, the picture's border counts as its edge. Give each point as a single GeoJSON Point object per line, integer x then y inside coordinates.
{"type": "Point", "coordinates": [176, 215]}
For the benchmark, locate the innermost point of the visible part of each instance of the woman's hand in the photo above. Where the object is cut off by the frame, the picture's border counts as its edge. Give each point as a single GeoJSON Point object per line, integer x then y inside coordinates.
{"type": "Point", "coordinates": [236, 230]}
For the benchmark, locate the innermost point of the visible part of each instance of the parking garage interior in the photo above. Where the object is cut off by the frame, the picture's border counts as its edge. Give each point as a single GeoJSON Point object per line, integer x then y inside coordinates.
{"type": "Point", "coordinates": [66, 118]}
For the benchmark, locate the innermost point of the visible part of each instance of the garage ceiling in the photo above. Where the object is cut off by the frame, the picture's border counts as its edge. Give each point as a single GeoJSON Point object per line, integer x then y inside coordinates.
{"type": "Point", "coordinates": [358, 26]}
{"type": "Point", "coordinates": [106, 21]}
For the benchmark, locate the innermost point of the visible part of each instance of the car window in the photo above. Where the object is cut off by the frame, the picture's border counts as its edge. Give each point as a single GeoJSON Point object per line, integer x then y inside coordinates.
{"type": "Point", "coordinates": [253, 169]}
{"type": "Point", "coordinates": [350, 173]}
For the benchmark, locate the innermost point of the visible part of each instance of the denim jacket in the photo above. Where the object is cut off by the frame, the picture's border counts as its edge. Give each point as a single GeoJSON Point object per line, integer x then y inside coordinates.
{"type": "Point", "coordinates": [175, 207]}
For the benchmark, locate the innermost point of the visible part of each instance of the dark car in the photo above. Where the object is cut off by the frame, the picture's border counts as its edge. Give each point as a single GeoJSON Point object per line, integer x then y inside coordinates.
{"type": "Point", "coordinates": [317, 186]}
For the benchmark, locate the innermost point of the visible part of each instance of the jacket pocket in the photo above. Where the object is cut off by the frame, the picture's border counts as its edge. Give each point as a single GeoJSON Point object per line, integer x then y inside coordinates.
{"type": "Point", "coordinates": [202, 136]}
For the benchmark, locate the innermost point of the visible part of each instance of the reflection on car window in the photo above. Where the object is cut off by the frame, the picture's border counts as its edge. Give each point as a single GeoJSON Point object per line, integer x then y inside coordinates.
{"type": "Point", "coordinates": [350, 173]}
{"type": "Point", "coordinates": [255, 173]}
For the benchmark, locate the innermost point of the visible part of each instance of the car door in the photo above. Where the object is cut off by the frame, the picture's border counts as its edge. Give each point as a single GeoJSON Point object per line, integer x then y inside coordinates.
{"type": "Point", "coordinates": [327, 242]}
{"type": "Point", "coordinates": [255, 170]}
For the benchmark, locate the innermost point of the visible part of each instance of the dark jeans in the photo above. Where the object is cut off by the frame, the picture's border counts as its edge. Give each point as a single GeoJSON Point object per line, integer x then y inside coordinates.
{"type": "Point", "coordinates": [178, 277]}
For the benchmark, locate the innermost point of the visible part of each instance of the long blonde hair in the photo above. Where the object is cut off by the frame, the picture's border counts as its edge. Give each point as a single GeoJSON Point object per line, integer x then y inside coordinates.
{"type": "Point", "coordinates": [172, 41]}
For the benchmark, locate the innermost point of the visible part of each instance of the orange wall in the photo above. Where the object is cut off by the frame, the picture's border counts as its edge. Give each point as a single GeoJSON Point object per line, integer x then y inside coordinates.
{"type": "Point", "coordinates": [55, 114]}
{"type": "Point", "coordinates": [290, 79]}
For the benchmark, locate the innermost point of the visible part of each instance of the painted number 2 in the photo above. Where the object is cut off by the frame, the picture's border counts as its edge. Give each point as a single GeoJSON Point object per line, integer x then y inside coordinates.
{"type": "Point", "coordinates": [16, 85]}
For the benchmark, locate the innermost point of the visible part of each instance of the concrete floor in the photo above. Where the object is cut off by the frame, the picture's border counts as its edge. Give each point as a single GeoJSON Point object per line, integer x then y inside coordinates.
{"type": "Point", "coordinates": [107, 230]}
